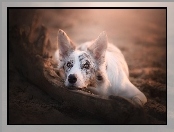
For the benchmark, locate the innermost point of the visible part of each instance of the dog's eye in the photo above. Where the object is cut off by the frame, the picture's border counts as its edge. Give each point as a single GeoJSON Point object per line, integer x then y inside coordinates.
{"type": "Point", "coordinates": [86, 65]}
{"type": "Point", "coordinates": [69, 65]}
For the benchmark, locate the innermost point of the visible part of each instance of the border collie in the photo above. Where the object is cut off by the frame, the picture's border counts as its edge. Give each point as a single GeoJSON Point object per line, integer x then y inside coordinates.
{"type": "Point", "coordinates": [98, 66]}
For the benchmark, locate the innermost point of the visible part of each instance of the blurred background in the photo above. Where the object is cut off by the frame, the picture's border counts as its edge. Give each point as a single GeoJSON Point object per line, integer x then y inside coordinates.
{"type": "Point", "coordinates": [129, 29]}
{"type": "Point", "coordinates": [122, 25]}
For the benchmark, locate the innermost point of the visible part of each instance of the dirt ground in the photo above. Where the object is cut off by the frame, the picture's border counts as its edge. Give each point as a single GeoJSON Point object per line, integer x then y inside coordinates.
{"type": "Point", "coordinates": [141, 36]}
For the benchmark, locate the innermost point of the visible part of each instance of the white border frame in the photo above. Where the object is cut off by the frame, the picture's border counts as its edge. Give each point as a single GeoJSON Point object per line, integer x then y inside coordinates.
{"type": "Point", "coordinates": [89, 128]}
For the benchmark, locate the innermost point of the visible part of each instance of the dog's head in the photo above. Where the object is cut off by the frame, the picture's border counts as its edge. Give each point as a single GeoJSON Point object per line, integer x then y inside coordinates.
{"type": "Point", "coordinates": [83, 66]}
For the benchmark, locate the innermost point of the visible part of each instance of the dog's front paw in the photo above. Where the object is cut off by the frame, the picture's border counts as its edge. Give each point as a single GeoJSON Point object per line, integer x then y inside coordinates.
{"type": "Point", "coordinates": [139, 100]}
{"type": "Point", "coordinates": [93, 90]}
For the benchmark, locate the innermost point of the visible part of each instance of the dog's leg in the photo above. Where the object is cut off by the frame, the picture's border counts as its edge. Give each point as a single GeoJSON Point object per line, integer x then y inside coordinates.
{"type": "Point", "coordinates": [134, 94]}
{"type": "Point", "coordinates": [94, 90]}
{"type": "Point", "coordinates": [98, 90]}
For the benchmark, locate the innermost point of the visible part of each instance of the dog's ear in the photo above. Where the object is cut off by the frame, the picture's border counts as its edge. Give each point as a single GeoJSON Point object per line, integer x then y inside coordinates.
{"type": "Point", "coordinates": [98, 48]}
{"type": "Point", "coordinates": [65, 45]}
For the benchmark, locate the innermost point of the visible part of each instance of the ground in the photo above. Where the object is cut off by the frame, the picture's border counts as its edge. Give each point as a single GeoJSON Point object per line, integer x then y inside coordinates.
{"type": "Point", "coordinates": [140, 35]}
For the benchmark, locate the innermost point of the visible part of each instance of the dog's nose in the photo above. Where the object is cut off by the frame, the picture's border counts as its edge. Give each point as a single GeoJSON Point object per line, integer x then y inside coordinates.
{"type": "Point", "coordinates": [72, 78]}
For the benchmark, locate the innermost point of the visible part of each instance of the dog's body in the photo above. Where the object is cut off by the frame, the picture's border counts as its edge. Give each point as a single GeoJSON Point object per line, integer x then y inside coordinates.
{"type": "Point", "coordinates": [98, 66]}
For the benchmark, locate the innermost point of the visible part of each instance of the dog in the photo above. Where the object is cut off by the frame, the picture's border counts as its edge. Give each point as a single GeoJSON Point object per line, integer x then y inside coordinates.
{"type": "Point", "coordinates": [98, 66]}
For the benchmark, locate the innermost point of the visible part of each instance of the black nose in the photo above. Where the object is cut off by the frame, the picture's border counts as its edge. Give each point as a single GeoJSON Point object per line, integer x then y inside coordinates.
{"type": "Point", "coordinates": [72, 78]}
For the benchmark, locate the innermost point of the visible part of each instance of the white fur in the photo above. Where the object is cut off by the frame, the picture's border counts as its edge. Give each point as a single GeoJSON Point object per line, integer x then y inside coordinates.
{"type": "Point", "coordinates": [109, 61]}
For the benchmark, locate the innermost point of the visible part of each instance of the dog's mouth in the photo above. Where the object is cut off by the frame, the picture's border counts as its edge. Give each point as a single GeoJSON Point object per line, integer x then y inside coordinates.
{"type": "Point", "coordinates": [84, 89]}
{"type": "Point", "coordinates": [75, 88]}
